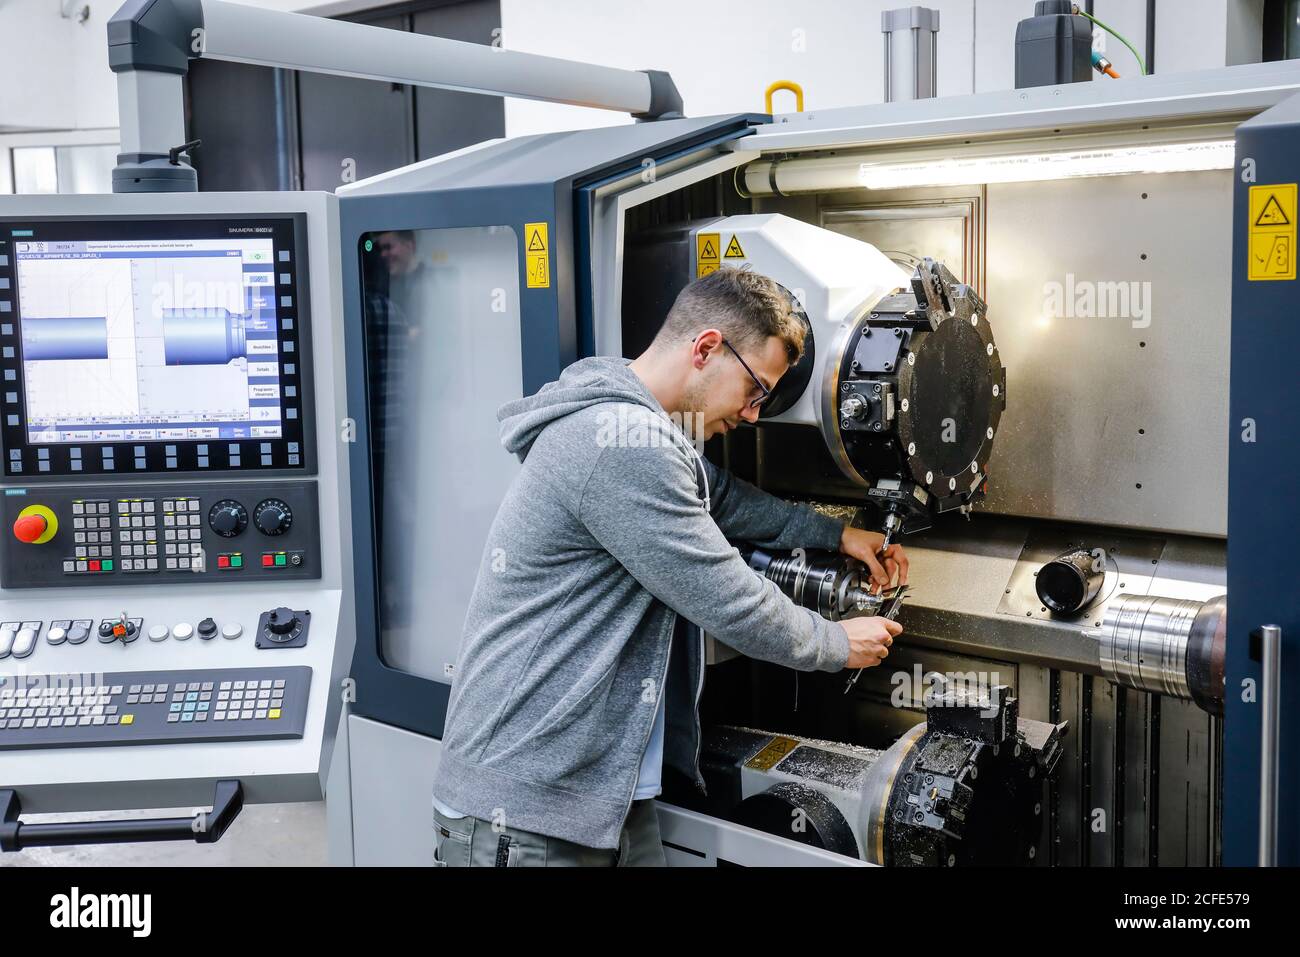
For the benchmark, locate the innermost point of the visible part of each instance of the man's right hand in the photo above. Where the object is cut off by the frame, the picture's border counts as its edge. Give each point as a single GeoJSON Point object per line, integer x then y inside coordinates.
{"type": "Point", "coordinates": [869, 640]}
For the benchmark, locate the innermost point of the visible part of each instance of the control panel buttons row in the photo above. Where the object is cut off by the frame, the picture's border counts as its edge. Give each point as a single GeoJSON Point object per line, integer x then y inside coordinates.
{"type": "Point", "coordinates": [73, 632]}
{"type": "Point", "coordinates": [18, 638]}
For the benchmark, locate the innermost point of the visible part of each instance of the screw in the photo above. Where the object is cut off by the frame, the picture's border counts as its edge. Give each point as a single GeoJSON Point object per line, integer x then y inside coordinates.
{"type": "Point", "coordinates": [844, 387]}
{"type": "Point", "coordinates": [877, 389]}
{"type": "Point", "coordinates": [898, 333]}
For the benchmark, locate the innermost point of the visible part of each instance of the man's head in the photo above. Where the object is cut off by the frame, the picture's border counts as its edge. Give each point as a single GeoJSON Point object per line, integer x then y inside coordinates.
{"type": "Point", "coordinates": [397, 249]}
{"type": "Point", "coordinates": [729, 319]}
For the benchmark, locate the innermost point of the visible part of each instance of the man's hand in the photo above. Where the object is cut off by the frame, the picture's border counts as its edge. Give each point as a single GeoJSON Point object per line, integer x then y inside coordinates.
{"type": "Point", "coordinates": [864, 546]}
{"type": "Point", "coordinates": [869, 640]}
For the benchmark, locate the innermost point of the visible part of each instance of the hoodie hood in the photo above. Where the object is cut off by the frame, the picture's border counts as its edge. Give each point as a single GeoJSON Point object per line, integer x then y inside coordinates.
{"type": "Point", "coordinates": [586, 383]}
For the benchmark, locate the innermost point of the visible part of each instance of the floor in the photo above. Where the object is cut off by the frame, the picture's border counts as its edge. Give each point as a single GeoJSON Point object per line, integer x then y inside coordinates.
{"type": "Point", "coordinates": [283, 835]}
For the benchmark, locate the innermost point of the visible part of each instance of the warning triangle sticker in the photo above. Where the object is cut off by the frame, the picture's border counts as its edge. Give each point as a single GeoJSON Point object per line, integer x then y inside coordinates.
{"type": "Point", "coordinates": [708, 251]}
{"type": "Point", "coordinates": [733, 249]}
{"type": "Point", "coordinates": [1272, 214]}
{"type": "Point", "coordinates": [535, 242]}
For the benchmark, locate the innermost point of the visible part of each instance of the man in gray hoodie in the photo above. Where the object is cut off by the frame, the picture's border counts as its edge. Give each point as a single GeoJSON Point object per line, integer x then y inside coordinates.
{"type": "Point", "coordinates": [578, 678]}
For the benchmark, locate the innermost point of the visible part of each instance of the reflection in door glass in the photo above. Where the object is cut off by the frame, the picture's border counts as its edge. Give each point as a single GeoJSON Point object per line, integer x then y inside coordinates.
{"type": "Point", "coordinates": [443, 353]}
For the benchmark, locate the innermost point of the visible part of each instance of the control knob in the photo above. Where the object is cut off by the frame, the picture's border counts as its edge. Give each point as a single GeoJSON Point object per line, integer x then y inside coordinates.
{"type": "Point", "coordinates": [272, 517]}
{"type": "Point", "coordinates": [118, 629]}
{"type": "Point", "coordinates": [207, 629]}
{"type": "Point", "coordinates": [282, 621]}
{"type": "Point", "coordinates": [228, 518]}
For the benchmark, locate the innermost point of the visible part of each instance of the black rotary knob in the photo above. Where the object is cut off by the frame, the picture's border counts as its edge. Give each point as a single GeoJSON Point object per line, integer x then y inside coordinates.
{"type": "Point", "coordinates": [282, 621]}
{"type": "Point", "coordinates": [228, 518]}
{"type": "Point", "coordinates": [272, 517]}
{"type": "Point", "coordinates": [207, 628]}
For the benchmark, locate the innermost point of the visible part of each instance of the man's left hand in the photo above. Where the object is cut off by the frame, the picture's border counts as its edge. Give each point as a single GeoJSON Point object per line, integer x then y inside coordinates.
{"type": "Point", "coordinates": [865, 547]}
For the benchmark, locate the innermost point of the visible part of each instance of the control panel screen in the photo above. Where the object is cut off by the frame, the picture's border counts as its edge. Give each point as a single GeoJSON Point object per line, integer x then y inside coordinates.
{"type": "Point", "coordinates": [158, 345]}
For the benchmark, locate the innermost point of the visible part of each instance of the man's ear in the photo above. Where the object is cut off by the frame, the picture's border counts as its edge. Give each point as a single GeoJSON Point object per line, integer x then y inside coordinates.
{"type": "Point", "coordinates": [704, 345]}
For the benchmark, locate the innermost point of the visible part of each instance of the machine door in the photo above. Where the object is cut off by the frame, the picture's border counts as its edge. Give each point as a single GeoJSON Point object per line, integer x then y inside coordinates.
{"type": "Point", "coordinates": [462, 279]}
{"type": "Point", "coordinates": [1262, 693]}
{"type": "Point", "coordinates": [175, 572]}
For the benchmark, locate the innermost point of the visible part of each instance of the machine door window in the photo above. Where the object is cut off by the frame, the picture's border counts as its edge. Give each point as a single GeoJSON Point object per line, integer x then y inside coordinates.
{"type": "Point", "coordinates": [443, 353]}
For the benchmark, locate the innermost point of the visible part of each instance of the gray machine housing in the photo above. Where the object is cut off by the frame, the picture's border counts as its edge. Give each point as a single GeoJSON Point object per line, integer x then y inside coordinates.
{"type": "Point", "coordinates": [1113, 437]}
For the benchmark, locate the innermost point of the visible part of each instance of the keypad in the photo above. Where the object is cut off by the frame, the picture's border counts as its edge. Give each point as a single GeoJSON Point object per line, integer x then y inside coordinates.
{"type": "Point", "coordinates": [154, 707]}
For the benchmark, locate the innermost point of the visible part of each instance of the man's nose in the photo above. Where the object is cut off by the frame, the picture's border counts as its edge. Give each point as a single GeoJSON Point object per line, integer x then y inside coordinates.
{"type": "Point", "coordinates": [749, 413]}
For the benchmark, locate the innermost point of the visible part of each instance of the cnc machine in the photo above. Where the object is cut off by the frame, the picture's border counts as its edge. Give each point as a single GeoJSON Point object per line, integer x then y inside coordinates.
{"type": "Point", "coordinates": [250, 455]}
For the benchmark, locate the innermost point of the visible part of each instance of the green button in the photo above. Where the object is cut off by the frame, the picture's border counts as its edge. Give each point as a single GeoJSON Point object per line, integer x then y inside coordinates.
{"type": "Point", "coordinates": [279, 559]}
{"type": "Point", "coordinates": [107, 564]}
{"type": "Point", "coordinates": [236, 561]}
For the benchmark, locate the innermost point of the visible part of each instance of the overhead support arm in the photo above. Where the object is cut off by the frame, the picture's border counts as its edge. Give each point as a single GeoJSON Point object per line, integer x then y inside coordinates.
{"type": "Point", "coordinates": [152, 41]}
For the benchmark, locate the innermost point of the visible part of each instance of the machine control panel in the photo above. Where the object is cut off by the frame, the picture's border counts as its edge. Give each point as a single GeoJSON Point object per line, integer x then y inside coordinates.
{"type": "Point", "coordinates": [166, 533]}
{"type": "Point", "coordinates": [277, 628]}
{"type": "Point", "coordinates": [155, 707]}
{"type": "Point", "coordinates": [157, 431]}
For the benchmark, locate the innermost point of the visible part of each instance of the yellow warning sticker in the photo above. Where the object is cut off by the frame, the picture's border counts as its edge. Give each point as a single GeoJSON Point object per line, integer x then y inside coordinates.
{"type": "Point", "coordinates": [734, 249]}
{"type": "Point", "coordinates": [772, 753]}
{"type": "Point", "coordinates": [708, 253]}
{"type": "Point", "coordinates": [1272, 231]}
{"type": "Point", "coordinates": [537, 253]}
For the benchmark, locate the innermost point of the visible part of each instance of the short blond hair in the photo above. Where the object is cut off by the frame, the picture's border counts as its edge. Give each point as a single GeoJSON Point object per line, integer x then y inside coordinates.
{"type": "Point", "coordinates": [746, 306]}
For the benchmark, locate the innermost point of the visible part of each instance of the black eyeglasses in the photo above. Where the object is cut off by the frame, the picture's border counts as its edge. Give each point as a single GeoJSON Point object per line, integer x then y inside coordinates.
{"type": "Point", "coordinates": [764, 392]}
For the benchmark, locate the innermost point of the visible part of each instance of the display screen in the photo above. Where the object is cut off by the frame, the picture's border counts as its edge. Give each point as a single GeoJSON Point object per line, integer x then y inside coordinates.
{"type": "Point", "coordinates": [153, 337]}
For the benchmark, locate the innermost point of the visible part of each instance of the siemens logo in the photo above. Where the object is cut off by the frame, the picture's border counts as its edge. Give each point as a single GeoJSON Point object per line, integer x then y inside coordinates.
{"type": "Point", "coordinates": [75, 909]}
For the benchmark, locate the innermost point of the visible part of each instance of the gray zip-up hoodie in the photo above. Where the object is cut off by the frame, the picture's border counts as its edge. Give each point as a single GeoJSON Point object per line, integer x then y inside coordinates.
{"type": "Point", "coordinates": [613, 527]}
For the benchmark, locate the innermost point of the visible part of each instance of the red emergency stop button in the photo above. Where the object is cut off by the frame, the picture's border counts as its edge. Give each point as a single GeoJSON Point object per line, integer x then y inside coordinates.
{"type": "Point", "coordinates": [30, 528]}
{"type": "Point", "coordinates": [36, 525]}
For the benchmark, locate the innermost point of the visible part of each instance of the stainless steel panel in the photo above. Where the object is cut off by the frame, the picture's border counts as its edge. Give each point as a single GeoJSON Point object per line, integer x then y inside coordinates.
{"type": "Point", "coordinates": [1131, 564]}
{"type": "Point", "coordinates": [906, 231]}
{"type": "Point", "coordinates": [1121, 420]}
